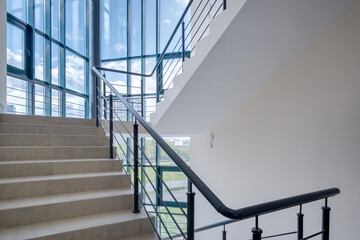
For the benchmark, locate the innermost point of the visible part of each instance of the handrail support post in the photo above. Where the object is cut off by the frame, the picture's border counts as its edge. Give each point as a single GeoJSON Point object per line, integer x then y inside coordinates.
{"type": "Point", "coordinates": [256, 231]}
{"type": "Point", "coordinates": [97, 101]}
{"type": "Point", "coordinates": [136, 169]}
{"type": "Point", "coordinates": [111, 127]}
{"type": "Point", "coordinates": [183, 40]}
{"type": "Point", "coordinates": [190, 213]}
{"type": "Point", "coordinates": [224, 4]}
{"type": "Point", "coordinates": [326, 221]}
{"type": "Point", "coordinates": [300, 221]}
{"type": "Point", "coordinates": [224, 234]}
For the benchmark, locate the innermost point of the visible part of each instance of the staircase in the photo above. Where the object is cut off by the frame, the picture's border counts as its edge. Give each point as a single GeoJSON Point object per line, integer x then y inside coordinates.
{"type": "Point", "coordinates": [57, 182]}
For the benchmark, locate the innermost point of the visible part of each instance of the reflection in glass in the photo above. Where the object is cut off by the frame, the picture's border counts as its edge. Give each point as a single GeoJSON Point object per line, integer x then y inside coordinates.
{"type": "Point", "coordinates": [150, 27]}
{"type": "Point", "coordinates": [75, 25]}
{"type": "Point", "coordinates": [39, 100]}
{"type": "Point", "coordinates": [55, 19]}
{"type": "Point", "coordinates": [39, 57]}
{"type": "Point", "coordinates": [15, 46]}
{"type": "Point", "coordinates": [39, 14]}
{"type": "Point", "coordinates": [135, 28]}
{"type": "Point", "coordinates": [55, 103]}
{"type": "Point", "coordinates": [75, 72]}
{"type": "Point", "coordinates": [16, 96]}
{"type": "Point", "coordinates": [55, 61]}
{"type": "Point", "coordinates": [135, 82]}
{"type": "Point", "coordinates": [114, 29]}
{"type": "Point", "coordinates": [150, 82]}
{"type": "Point", "coordinates": [75, 106]}
{"type": "Point", "coordinates": [118, 80]}
{"type": "Point", "coordinates": [17, 8]}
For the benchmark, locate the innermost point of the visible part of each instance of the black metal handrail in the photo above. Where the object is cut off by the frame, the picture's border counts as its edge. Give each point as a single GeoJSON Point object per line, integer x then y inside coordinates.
{"type": "Point", "coordinates": [241, 213]}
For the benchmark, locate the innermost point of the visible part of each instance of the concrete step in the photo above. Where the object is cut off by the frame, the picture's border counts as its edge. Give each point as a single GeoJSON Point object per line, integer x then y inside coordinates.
{"type": "Point", "coordinates": [28, 119]}
{"type": "Point", "coordinates": [114, 225]}
{"type": "Point", "coordinates": [56, 207]}
{"type": "Point", "coordinates": [12, 188]}
{"type": "Point", "coordinates": [11, 139]}
{"type": "Point", "coordinates": [50, 129]}
{"type": "Point", "coordinates": [14, 169]}
{"type": "Point", "coordinates": [52, 152]}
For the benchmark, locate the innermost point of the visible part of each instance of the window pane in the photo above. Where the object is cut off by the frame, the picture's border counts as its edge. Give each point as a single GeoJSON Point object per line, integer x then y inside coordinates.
{"type": "Point", "coordinates": [15, 46]}
{"type": "Point", "coordinates": [75, 25]}
{"type": "Point", "coordinates": [117, 79]}
{"type": "Point", "coordinates": [150, 107]}
{"type": "Point", "coordinates": [16, 97]}
{"type": "Point", "coordinates": [114, 19]}
{"type": "Point", "coordinates": [39, 57]}
{"type": "Point", "coordinates": [75, 106]}
{"type": "Point", "coordinates": [135, 82]}
{"type": "Point", "coordinates": [135, 28]}
{"type": "Point", "coordinates": [55, 19]}
{"type": "Point", "coordinates": [75, 72]}
{"type": "Point", "coordinates": [150, 27]}
{"type": "Point", "coordinates": [55, 63]}
{"type": "Point", "coordinates": [39, 100]}
{"type": "Point", "coordinates": [55, 103]}
{"type": "Point", "coordinates": [150, 82]}
{"type": "Point", "coordinates": [17, 8]}
{"type": "Point", "coordinates": [39, 14]}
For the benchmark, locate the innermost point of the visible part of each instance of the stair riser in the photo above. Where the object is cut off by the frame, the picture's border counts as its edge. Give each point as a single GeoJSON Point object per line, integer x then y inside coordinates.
{"type": "Point", "coordinates": [48, 129]}
{"type": "Point", "coordinates": [59, 186]}
{"type": "Point", "coordinates": [109, 231]}
{"type": "Point", "coordinates": [51, 140]}
{"type": "Point", "coordinates": [49, 153]}
{"type": "Point", "coordinates": [27, 119]}
{"type": "Point", "coordinates": [63, 210]}
{"type": "Point", "coordinates": [46, 169]}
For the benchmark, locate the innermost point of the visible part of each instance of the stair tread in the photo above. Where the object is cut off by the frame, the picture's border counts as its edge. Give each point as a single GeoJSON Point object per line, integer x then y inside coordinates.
{"type": "Point", "coordinates": [1, 147]}
{"type": "Point", "coordinates": [151, 236]}
{"type": "Point", "coordinates": [59, 198]}
{"type": "Point", "coordinates": [45, 124]}
{"type": "Point", "coordinates": [61, 226]}
{"type": "Point", "coordinates": [58, 161]}
{"type": "Point", "coordinates": [59, 177]}
{"type": "Point", "coordinates": [49, 135]}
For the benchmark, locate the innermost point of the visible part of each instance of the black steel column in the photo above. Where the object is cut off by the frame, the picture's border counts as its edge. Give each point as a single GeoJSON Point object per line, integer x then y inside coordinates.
{"type": "Point", "coordinates": [190, 213]}
{"type": "Point", "coordinates": [136, 169]}
{"type": "Point", "coordinates": [183, 40]}
{"type": "Point", "coordinates": [326, 221]}
{"type": "Point", "coordinates": [256, 230]}
{"type": "Point", "coordinates": [224, 234]}
{"type": "Point", "coordinates": [111, 130]}
{"type": "Point", "coordinates": [300, 220]}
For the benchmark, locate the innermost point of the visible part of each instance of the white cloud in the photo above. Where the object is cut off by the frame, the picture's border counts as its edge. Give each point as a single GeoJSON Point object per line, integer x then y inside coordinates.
{"type": "Point", "coordinates": [182, 2]}
{"type": "Point", "coordinates": [167, 21]}
{"type": "Point", "coordinates": [119, 47]}
{"type": "Point", "coordinates": [14, 58]}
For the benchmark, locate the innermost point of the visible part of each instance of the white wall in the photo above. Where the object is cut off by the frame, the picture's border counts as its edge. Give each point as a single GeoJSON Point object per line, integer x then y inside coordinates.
{"type": "Point", "coordinates": [2, 56]}
{"type": "Point", "coordinates": [299, 133]}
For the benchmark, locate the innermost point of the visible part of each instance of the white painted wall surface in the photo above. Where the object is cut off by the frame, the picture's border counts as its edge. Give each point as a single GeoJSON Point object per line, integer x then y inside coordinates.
{"type": "Point", "coordinates": [3, 56]}
{"type": "Point", "coordinates": [299, 133]}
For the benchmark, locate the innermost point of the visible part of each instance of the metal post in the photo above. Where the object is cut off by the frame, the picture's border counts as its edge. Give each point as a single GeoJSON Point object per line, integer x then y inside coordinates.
{"type": "Point", "coordinates": [190, 213]}
{"type": "Point", "coordinates": [183, 40]}
{"type": "Point", "coordinates": [111, 130]}
{"type": "Point", "coordinates": [326, 221]}
{"type": "Point", "coordinates": [300, 220]}
{"type": "Point", "coordinates": [224, 4]}
{"type": "Point", "coordinates": [104, 93]}
{"type": "Point", "coordinates": [256, 230]}
{"type": "Point", "coordinates": [97, 101]}
{"type": "Point", "coordinates": [224, 234]}
{"type": "Point", "coordinates": [136, 169]}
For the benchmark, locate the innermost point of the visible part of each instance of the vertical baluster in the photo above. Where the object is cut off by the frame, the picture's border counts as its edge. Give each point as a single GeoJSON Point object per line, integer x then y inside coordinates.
{"type": "Point", "coordinates": [190, 213]}
{"type": "Point", "coordinates": [111, 127]}
{"type": "Point", "coordinates": [224, 234]}
{"type": "Point", "coordinates": [136, 168]}
{"type": "Point", "coordinates": [104, 93]}
{"type": "Point", "coordinates": [300, 220]}
{"type": "Point", "coordinates": [224, 4]}
{"type": "Point", "coordinates": [256, 230]}
{"type": "Point", "coordinates": [326, 220]}
{"type": "Point", "coordinates": [96, 101]}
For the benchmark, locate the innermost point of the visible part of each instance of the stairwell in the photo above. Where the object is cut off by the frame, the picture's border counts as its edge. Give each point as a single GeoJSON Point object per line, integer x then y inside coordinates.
{"type": "Point", "coordinates": [57, 182]}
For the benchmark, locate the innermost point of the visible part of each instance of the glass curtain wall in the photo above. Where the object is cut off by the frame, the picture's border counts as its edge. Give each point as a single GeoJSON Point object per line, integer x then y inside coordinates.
{"type": "Point", "coordinates": [48, 57]}
{"type": "Point", "coordinates": [134, 34]}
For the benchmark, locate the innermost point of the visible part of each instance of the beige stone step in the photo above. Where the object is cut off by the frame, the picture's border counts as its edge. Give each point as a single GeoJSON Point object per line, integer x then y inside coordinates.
{"type": "Point", "coordinates": [13, 153]}
{"type": "Point", "coordinates": [12, 188]}
{"type": "Point", "coordinates": [11, 139]}
{"type": "Point", "coordinates": [29, 119]}
{"type": "Point", "coordinates": [14, 169]}
{"type": "Point", "coordinates": [27, 211]}
{"type": "Point", "coordinates": [50, 129]}
{"type": "Point", "coordinates": [114, 225]}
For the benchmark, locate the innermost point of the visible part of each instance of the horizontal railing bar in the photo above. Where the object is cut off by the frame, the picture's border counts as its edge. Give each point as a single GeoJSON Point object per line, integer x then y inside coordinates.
{"type": "Point", "coordinates": [279, 235]}
{"type": "Point", "coordinates": [241, 213]}
{"type": "Point", "coordinates": [314, 235]}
